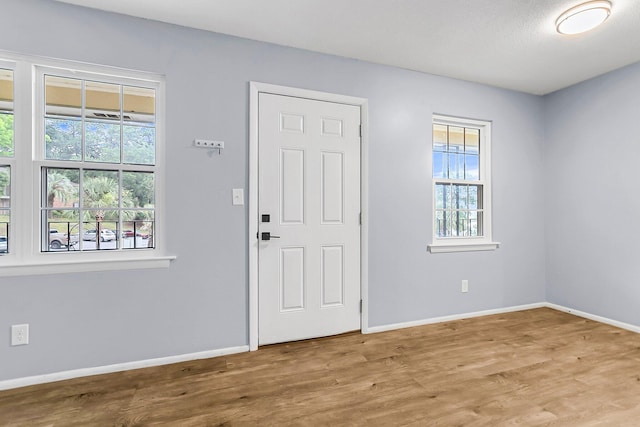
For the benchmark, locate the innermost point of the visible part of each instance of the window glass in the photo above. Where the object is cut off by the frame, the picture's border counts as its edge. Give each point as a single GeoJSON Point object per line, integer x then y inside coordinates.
{"type": "Point", "coordinates": [457, 175]}
{"type": "Point", "coordinates": [63, 113]}
{"type": "Point", "coordinates": [90, 122]}
{"type": "Point", "coordinates": [5, 207]}
{"type": "Point", "coordinates": [139, 135]}
{"type": "Point", "coordinates": [6, 113]}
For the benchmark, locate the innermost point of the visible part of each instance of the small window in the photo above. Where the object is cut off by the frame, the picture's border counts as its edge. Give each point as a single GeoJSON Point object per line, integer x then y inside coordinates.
{"type": "Point", "coordinates": [461, 185]}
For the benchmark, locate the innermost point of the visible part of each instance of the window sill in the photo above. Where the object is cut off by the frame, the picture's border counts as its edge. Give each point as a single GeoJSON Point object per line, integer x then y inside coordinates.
{"type": "Point", "coordinates": [81, 266]}
{"type": "Point", "coordinates": [443, 247]}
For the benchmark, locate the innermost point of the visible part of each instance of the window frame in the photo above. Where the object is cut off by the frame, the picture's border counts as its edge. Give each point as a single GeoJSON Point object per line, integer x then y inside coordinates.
{"type": "Point", "coordinates": [26, 257]}
{"type": "Point", "coordinates": [464, 244]}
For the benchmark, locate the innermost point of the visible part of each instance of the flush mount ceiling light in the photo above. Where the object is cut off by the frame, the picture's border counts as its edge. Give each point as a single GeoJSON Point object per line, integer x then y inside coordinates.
{"type": "Point", "coordinates": [583, 17]}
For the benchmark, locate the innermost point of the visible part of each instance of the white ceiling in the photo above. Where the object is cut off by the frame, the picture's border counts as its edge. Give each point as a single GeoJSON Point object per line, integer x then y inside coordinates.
{"type": "Point", "coordinates": [506, 43]}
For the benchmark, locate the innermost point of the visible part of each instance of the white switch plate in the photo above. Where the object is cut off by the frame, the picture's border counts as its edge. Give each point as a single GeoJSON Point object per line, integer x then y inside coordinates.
{"type": "Point", "coordinates": [19, 334]}
{"type": "Point", "coordinates": [465, 286]}
{"type": "Point", "coordinates": [238, 196]}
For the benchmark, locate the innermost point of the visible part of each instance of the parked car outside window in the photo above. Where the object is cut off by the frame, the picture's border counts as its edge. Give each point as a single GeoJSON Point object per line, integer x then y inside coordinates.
{"type": "Point", "coordinates": [58, 240]}
{"type": "Point", "coordinates": [106, 235]}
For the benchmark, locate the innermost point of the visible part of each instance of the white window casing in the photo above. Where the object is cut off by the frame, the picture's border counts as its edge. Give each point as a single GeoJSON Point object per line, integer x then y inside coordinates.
{"type": "Point", "coordinates": [26, 256]}
{"type": "Point", "coordinates": [473, 235]}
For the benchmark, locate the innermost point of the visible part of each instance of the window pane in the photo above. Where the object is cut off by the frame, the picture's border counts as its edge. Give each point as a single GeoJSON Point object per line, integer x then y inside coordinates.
{"type": "Point", "coordinates": [5, 186]}
{"type": "Point", "coordinates": [440, 225]}
{"type": "Point", "coordinates": [63, 139]}
{"type": "Point", "coordinates": [471, 167]}
{"type": "Point", "coordinates": [456, 139]}
{"type": "Point", "coordinates": [102, 142]}
{"type": "Point", "coordinates": [100, 189]}
{"type": "Point", "coordinates": [138, 189]}
{"type": "Point", "coordinates": [6, 134]}
{"type": "Point", "coordinates": [101, 233]}
{"type": "Point", "coordinates": [456, 166]}
{"type": "Point", "coordinates": [443, 196]}
{"type": "Point", "coordinates": [6, 90]}
{"type": "Point", "coordinates": [63, 96]}
{"type": "Point", "coordinates": [440, 164]}
{"type": "Point", "coordinates": [4, 232]}
{"type": "Point", "coordinates": [61, 231]}
{"type": "Point", "coordinates": [460, 196]}
{"type": "Point", "coordinates": [6, 113]}
{"type": "Point", "coordinates": [139, 105]}
{"type": "Point", "coordinates": [449, 219]}
{"type": "Point", "coordinates": [471, 141]}
{"type": "Point", "coordinates": [139, 145]}
{"type": "Point", "coordinates": [473, 224]}
{"type": "Point", "coordinates": [5, 205]}
{"type": "Point", "coordinates": [478, 231]}
{"type": "Point", "coordinates": [475, 197]}
{"type": "Point", "coordinates": [102, 101]}
{"type": "Point", "coordinates": [439, 137]}
{"type": "Point", "coordinates": [461, 224]}
{"type": "Point", "coordinates": [62, 188]}
{"type": "Point", "coordinates": [137, 231]}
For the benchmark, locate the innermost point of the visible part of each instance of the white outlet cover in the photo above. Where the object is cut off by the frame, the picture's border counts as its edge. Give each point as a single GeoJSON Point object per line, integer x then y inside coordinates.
{"type": "Point", "coordinates": [20, 334]}
{"type": "Point", "coordinates": [238, 196]}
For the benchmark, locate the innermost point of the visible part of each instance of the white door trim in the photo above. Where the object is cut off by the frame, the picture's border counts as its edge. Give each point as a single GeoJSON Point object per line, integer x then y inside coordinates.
{"type": "Point", "coordinates": [254, 89]}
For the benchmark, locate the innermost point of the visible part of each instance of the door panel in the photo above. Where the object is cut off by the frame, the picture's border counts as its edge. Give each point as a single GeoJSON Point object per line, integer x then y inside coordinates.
{"type": "Point", "coordinates": [309, 183]}
{"type": "Point", "coordinates": [292, 186]}
{"type": "Point", "coordinates": [331, 194]}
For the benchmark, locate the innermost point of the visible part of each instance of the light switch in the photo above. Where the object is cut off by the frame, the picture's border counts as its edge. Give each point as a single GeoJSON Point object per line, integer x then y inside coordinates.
{"type": "Point", "coordinates": [238, 196]}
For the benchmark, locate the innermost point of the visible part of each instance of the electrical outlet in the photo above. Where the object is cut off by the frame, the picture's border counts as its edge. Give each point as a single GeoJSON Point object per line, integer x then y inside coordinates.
{"type": "Point", "coordinates": [20, 334]}
{"type": "Point", "coordinates": [465, 286]}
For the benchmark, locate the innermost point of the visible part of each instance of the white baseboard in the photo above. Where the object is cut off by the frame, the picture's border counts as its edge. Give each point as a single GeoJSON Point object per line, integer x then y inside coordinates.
{"type": "Point", "coordinates": [605, 320]}
{"type": "Point", "coordinates": [118, 367]}
{"type": "Point", "coordinates": [622, 325]}
{"type": "Point", "coordinates": [85, 372]}
{"type": "Point", "coordinates": [393, 326]}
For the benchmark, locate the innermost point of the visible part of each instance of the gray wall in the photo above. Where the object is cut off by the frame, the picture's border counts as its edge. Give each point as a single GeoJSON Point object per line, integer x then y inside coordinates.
{"type": "Point", "coordinates": [592, 198]}
{"type": "Point", "coordinates": [200, 302]}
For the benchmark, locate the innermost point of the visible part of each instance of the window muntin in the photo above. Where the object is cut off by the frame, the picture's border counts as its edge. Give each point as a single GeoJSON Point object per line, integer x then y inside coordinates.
{"type": "Point", "coordinates": [461, 185]}
{"type": "Point", "coordinates": [103, 136]}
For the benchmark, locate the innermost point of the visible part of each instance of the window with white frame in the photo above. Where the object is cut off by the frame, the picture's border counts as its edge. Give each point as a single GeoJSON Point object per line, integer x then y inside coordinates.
{"type": "Point", "coordinates": [81, 167]}
{"type": "Point", "coordinates": [461, 185]}
{"type": "Point", "coordinates": [98, 167]}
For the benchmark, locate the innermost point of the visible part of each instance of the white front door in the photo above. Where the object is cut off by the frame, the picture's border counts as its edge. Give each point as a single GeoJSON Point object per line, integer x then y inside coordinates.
{"type": "Point", "coordinates": [309, 203]}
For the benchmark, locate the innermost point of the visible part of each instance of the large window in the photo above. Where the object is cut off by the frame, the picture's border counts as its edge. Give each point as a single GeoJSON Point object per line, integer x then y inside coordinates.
{"type": "Point", "coordinates": [81, 167]}
{"type": "Point", "coordinates": [99, 165]}
{"type": "Point", "coordinates": [461, 185]}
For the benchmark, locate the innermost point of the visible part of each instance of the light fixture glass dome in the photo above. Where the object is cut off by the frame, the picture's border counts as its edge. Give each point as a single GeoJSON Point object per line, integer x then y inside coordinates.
{"type": "Point", "coordinates": [583, 17]}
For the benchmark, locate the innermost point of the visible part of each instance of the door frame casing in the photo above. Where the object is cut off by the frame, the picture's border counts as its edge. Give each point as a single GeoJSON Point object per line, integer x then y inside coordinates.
{"type": "Point", "coordinates": [255, 88]}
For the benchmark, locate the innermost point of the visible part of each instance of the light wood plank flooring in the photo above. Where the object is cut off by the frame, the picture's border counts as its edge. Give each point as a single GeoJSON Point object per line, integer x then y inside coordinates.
{"type": "Point", "coordinates": [531, 368]}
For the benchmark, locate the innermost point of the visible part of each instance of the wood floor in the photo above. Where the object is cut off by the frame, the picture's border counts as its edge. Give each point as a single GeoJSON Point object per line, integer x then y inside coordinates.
{"type": "Point", "coordinates": [532, 368]}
